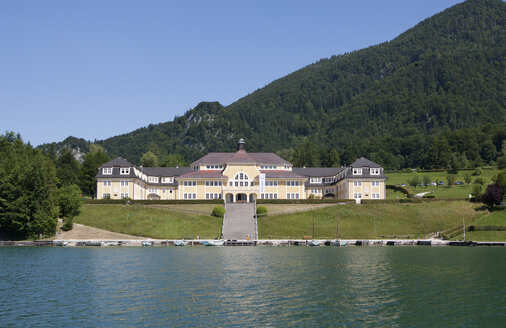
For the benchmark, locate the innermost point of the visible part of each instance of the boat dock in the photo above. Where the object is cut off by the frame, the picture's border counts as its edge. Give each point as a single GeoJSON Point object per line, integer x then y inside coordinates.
{"type": "Point", "coordinates": [260, 242]}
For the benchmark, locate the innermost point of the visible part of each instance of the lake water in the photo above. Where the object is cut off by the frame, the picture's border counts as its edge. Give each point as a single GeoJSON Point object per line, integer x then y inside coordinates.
{"type": "Point", "coordinates": [253, 287]}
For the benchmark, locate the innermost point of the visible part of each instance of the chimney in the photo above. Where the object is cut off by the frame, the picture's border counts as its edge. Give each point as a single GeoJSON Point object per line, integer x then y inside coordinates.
{"type": "Point", "coordinates": [241, 145]}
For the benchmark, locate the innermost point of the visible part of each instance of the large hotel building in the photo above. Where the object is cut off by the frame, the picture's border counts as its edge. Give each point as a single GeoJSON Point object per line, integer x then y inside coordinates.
{"type": "Point", "coordinates": [240, 177]}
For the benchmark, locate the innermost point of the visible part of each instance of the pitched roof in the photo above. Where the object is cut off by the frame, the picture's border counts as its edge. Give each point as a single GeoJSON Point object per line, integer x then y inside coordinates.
{"type": "Point", "coordinates": [318, 171]}
{"type": "Point", "coordinates": [165, 171]}
{"type": "Point", "coordinates": [203, 174]}
{"type": "Point", "coordinates": [241, 156]}
{"type": "Point", "coordinates": [281, 174]}
{"type": "Point", "coordinates": [118, 161]}
{"type": "Point", "coordinates": [364, 162]}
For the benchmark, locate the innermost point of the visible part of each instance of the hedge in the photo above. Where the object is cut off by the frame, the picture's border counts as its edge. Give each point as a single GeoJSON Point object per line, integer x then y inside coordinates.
{"type": "Point", "coordinates": [152, 202]}
{"type": "Point", "coordinates": [302, 201]}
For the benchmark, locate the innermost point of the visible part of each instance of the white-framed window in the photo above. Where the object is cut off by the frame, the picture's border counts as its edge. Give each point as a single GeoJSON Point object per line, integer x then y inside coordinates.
{"type": "Point", "coordinates": [316, 191]}
{"type": "Point", "coordinates": [315, 180]}
{"type": "Point", "coordinates": [153, 179]}
{"type": "Point", "coordinates": [357, 195]}
{"type": "Point", "coordinates": [168, 180]}
{"type": "Point", "coordinates": [357, 183]}
{"type": "Point", "coordinates": [292, 183]}
{"type": "Point", "coordinates": [107, 183]}
{"type": "Point", "coordinates": [124, 183]}
{"type": "Point", "coordinates": [107, 170]}
{"type": "Point", "coordinates": [269, 196]}
{"type": "Point", "coordinates": [241, 176]}
{"type": "Point", "coordinates": [190, 196]}
{"type": "Point", "coordinates": [375, 171]}
{"type": "Point", "coordinates": [271, 183]}
{"type": "Point", "coordinates": [213, 183]}
{"type": "Point", "coordinates": [106, 195]}
{"type": "Point", "coordinates": [292, 196]}
{"type": "Point", "coordinates": [375, 183]}
{"type": "Point", "coordinates": [329, 191]}
{"type": "Point", "coordinates": [213, 196]}
{"type": "Point", "coordinates": [189, 183]}
{"type": "Point", "coordinates": [357, 171]}
{"type": "Point", "coordinates": [124, 170]}
{"type": "Point", "coordinates": [124, 195]}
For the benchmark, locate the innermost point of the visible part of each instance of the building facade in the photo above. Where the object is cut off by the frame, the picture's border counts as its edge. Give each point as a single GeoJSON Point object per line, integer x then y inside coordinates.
{"type": "Point", "coordinates": [240, 177]}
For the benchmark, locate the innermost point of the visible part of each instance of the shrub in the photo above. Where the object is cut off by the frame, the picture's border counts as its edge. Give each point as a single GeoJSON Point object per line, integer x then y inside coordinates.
{"type": "Point", "coordinates": [477, 171]}
{"type": "Point", "coordinates": [262, 210]}
{"type": "Point", "coordinates": [219, 211]}
{"type": "Point", "coordinates": [476, 191]}
{"type": "Point", "coordinates": [450, 179]}
{"type": "Point", "coordinates": [467, 178]}
{"type": "Point", "coordinates": [479, 181]}
{"type": "Point", "coordinates": [68, 224]}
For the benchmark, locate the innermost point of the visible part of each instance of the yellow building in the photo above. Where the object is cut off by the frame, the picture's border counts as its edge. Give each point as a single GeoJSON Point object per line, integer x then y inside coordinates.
{"type": "Point", "coordinates": [240, 177]}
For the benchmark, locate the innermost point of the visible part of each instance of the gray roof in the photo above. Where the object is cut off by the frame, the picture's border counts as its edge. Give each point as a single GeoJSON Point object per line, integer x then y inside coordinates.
{"type": "Point", "coordinates": [317, 171]}
{"type": "Point", "coordinates": [165, 171]}
{"type": "Point", "coordinates": [364, 162]}
{"type": "Point", "coordinates": [117, 162]}
{"type": "Point", "coordinates": [241, 157]}
{"type": "Point", "coordinates": [271, 174]}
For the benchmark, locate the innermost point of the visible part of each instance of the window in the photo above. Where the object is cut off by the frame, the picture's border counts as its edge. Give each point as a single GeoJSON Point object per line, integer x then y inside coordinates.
{"type": "Point", "coordinates": [153, 179]}
{"type": "Point", "coordinates": [357, 171]}
{"type": "Point", "coordinates": [357, 183]}
{"type": "Point", "coordinates": [329, 191]}
{"type": "Point", "coordinates": [375, 171]}
{"type": "Point", "coordinates": [107, 170]}
{"type": "Point", "coordinates": [106, 195]}
{"type": "Point", "coordinates": [189, 183]}
{"type": "Point", "coordinates": [375, 183]}
{"type": "Point", "coordinates": [107, 183]}
{"type": "Point", "coordinates": [168, 180]}
{"type": "Point", "coordinates": [213, 183]}
{"type": "Point", "coordinates": [271, 183]}
{"type": "Point", "coordinates": [195, 168]}
{"type": "Point", "coordinates": [292, 183]}
{"type": "Point", "coordinates": [124, 170]}
{"type": "Point", "coordinates": [125, 195]}
{"type": "Point", "coordinates": [190, 196]}
{"type": "Point", "coordinates": [124, 183]}
{"type": "Point", "coordinates": [213, 196]}
{"type": "Point", "coordinates": [292, 196]}
{"type": "Point", "coordinates": [241, 176]}
{"type": "Point", "coordinates": [357, 195]}
{"type": "Point", "coordinates": [327, 180]}
{"type": "Point", "coordinates": [315, 180]}
{"type": "Point", "coordinates": [269, 196]}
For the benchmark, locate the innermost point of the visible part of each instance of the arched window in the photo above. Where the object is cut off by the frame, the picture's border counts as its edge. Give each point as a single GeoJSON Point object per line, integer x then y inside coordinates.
{"type": "Point", "coordinates": [241, 176]}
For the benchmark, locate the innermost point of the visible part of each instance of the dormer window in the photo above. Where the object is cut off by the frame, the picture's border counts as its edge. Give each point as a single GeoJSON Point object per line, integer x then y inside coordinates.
{"type": "Point", "coordinates": [375, 171]}
{"type": "Point", "coordinates": [357, 171]}
{"type": "Point", "coordinates": [195, 168]}
{"type": "Point", "coordinates": [153, 179]}
{"type": "Point", "coordinates": [107, 170]}
{"type": "Point", "coordinates": [124, 170]}
{"type": "Point", "coordinates": [315, 180]}
{"type": "Point", "coordinates": [168, 180]}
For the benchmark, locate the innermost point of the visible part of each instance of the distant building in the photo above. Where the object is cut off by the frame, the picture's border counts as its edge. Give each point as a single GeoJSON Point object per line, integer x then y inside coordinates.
{"type": "Point", "coordinates": [240, 177]}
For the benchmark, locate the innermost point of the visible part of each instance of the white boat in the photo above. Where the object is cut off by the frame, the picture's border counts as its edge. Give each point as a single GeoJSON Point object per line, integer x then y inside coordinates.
{"type": "Point", "coordinates": [340, 243]}
{"type": "Point", "coordinates": [180, 243]}
{"type": "Point", "coordinates": [314, 243]}
{"type": "Point", "coordinates": [147, 243]}
{"type": "Point", "coordinates": [218, 242]}
{"type": "Point", "coordinates": [109, 243]}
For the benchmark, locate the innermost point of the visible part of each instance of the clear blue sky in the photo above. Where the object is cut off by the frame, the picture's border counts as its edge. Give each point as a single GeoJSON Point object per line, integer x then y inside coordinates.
{"type": "Point", "coordinates": [95, 69]}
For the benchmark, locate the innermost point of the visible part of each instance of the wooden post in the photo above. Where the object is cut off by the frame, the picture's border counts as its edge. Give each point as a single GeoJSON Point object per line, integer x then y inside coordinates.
{"type": "Point", "coordinates": [464, 224]}
{"type": "Point", "coordinates": [337, 235]}
{"type": "Point", "coordinates": [313, 225]}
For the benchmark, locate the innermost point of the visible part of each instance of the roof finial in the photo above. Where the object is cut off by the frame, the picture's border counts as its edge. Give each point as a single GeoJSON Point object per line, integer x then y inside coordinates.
{"type": "Point", "coordinates": [241, 145]}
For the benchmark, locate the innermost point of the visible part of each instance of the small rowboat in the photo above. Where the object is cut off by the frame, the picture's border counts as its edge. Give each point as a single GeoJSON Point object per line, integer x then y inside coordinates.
{"type": "Point", "coordinates": [180, 243]}
{"type": "Point", "coordinates": [147, 243]}
{"type": "Point", "coordinates": [219, 242]}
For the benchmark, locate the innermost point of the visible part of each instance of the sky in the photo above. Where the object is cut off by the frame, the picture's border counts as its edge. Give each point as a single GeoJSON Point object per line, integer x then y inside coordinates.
{"type": "Point", "coordinates": [96, 69]}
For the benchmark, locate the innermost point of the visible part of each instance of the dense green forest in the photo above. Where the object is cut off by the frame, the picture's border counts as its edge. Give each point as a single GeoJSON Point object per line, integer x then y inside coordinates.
{"type": "Point", "coordinates": [433, 97]}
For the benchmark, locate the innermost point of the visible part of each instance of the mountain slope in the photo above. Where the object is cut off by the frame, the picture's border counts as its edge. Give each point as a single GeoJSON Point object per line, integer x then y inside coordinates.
{"type": "Point", "coordinates": [445, 74]}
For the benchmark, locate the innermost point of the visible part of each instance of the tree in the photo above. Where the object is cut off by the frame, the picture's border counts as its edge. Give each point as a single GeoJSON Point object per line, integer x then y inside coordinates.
{"type": "Point", "coordinates": [68, 199]}
{"type": "Point", "coordinates": [307, 155]}
{"type": "Point", "coordinates": [500, 179]}
{"type": "Point", "coordinates": [467, 178]}
{"type": "Point", "coordinates": [450, 179]}
{"type": "Point", "coordinates": [476, 191]}
{"type": "Point", "coordinates": [488, 151]}
{"type": "Point", "coordinates": [174, 160]}
{"type": "Point", "coordinates": [493, 195]}
{"type": "Point", "coordinates": [27, 184]}
{"type": "Point", "coordinates": [91, 162]}
{"type": "Point", "coordinates": [426, 180]}
{"type": "Point", "coordinates": [329, 157]}
{"type": "Point", "coordinates": [501, 161]}
{"type": "Point", "coordinates": [67, 168]}
{"type": "Point", "coordinates": [438, 156]}
{"type": "Point", "coordinates": [414, 181]}
{"type": "Point", "coordinates": [149, 159]}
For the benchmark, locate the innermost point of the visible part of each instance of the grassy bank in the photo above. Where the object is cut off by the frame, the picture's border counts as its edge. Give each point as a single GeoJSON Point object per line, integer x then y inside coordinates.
{"type": "Point", "coordinates": [371, 220]}
{"type": "Point", "coordinates": [140, 220]}
{"type": "Point", "coordinates": [497, 218]}
{"type": "Point", "coordinates": [444, 191]}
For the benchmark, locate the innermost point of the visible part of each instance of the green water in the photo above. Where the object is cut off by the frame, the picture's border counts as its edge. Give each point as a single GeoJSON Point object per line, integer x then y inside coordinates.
{"type": "Point", "coordinates": [253, 287]}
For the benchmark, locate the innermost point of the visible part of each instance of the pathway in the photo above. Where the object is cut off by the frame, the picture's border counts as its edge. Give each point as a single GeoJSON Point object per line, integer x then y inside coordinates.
{"type": "Point", "coordinates": [239, 221]}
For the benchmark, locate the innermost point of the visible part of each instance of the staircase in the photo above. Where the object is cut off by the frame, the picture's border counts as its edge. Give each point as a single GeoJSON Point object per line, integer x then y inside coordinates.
{"type": "Point", "coordinates": [239, 221]}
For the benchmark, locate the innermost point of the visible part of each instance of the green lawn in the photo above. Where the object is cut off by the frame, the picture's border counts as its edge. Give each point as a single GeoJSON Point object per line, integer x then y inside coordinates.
{"type": "Point", "coordinates": [371, 220]}
{"type": "Point", "coordinates": [140, 220]}
{"type": "Point", "coordinates": [444, 191]}
{"type": "Point", "coordinates": [497, 218]}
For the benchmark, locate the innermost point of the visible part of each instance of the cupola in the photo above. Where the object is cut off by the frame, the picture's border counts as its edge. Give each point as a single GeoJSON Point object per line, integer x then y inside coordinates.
{"type": "Point", "coordinates": [241, 145]}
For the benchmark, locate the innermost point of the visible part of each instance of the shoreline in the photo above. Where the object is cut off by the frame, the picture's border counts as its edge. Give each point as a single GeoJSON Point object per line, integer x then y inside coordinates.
{"type": "Point", "coordinates": [259, 242]}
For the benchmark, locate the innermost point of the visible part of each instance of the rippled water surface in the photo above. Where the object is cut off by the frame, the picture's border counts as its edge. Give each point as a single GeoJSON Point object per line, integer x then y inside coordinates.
{"type": "Point", "coordinates": [253, 286]}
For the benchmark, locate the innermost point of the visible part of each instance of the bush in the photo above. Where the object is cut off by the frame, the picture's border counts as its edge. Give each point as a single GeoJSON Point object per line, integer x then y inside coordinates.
{"type": "Point", "coordinates": [68, 224]}
{"type": "Point", "coordinates": [479, 181]}
{"type": "Point", "coordinates": [477, 171]}
{"type": "Point", "coordinates": [219, 211]}
{"type": "Point", "coordinates": [262, 210]}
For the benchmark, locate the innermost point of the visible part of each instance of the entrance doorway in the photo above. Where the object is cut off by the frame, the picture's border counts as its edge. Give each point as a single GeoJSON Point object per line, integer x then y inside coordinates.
{"type": "Point", "coordinates": [241, 198]}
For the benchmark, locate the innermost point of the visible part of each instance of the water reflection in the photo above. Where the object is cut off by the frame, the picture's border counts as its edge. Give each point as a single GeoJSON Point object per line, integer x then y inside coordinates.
{"type": "Point", "coordinates": [257, 286]}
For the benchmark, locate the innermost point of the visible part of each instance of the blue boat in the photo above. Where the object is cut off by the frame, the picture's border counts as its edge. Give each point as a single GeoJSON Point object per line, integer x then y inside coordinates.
{"type": "Point", "coordinates": [147, 243]}
{"type": "Point", "coordinates": [314, 243]}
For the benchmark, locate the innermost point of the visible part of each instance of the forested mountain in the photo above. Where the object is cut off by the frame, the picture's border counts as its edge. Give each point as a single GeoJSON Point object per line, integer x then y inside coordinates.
{"type": "Point", "coordinates": [433, 96]}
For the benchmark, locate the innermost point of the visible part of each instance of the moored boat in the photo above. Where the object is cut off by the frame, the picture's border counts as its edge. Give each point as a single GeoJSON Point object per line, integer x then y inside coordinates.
{"type": "Point", "coordinates": [93, 243]}
{"type": "Point", "coordinates": [147, 243]}
{"type": "Point", "coordinates": [218, 242]}
{"type": "Point", "coordinates": [314, 243]}
{"type": "Point", "coordinates": [180, 243]}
